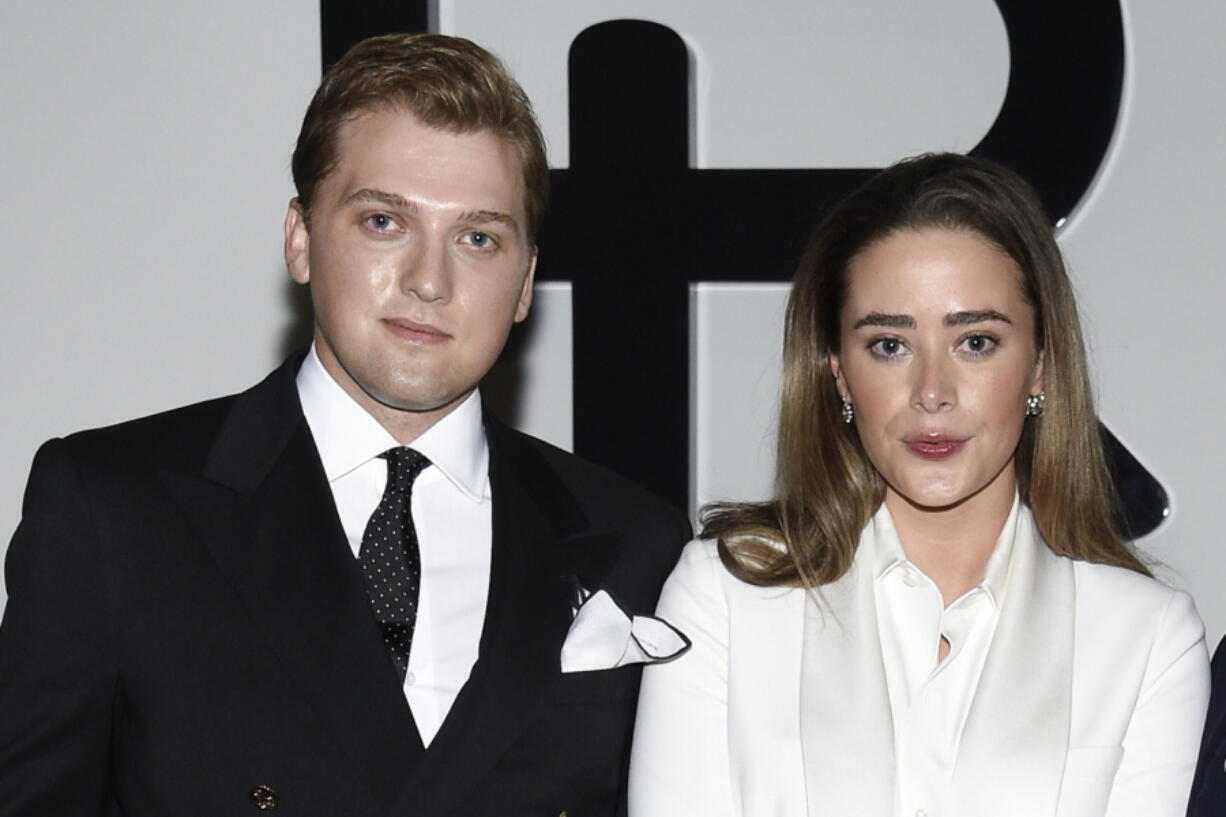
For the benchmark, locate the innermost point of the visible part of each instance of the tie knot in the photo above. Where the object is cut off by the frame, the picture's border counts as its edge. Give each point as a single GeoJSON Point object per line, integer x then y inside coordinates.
{"type": "Point", "coordinates": [403, 467]}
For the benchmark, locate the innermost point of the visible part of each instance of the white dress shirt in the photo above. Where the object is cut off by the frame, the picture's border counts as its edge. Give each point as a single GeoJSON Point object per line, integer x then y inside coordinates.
{"type": "Point", "coordinates": [451, 512]}
{"type": "Point", "coordinates": [930, 698]}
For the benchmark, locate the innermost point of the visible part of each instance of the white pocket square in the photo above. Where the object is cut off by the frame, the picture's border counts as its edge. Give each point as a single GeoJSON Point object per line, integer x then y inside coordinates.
{"type": "Point", "coordinates": [604, 636]}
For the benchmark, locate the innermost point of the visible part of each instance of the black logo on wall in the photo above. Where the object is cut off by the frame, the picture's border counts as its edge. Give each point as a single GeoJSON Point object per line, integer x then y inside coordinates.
{"type": "Point", "coordinates": [631, 225]}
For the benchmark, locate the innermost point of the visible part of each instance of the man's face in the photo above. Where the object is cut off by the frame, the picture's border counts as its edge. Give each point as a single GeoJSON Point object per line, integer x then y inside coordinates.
{"type": "Point", "coordinates": [418, 264]}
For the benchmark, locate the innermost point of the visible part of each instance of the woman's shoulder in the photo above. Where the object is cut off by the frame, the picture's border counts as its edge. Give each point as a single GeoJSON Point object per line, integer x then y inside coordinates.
{"type": "Point", "coordinates": [1139, 635]}
{"type": "Point", "coordinates": [1125, 599]}
{"type": "Point", "coordinates": [702, 571]}
{"type": "Point", "coordinates": [699, 565]}
{"type": "Point", "coordinates": [1131, 587]}
{"type": "Point", "coordinates": [702, 559]}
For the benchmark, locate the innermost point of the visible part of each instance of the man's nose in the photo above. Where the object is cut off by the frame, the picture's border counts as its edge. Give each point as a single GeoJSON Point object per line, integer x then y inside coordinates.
{"type": "Point", "coordinates": [426, 273]}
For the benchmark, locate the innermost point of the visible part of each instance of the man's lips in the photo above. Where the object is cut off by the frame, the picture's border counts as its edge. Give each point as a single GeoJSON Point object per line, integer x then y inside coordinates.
{"type": "Point", "coordinates": [934, 445]}
{"type": "Point", "coordinates": [414, 331]}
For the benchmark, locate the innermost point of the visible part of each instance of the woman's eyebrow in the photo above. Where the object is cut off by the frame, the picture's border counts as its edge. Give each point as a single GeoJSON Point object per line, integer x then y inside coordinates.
{"type": "Point", "coordinates": [968, 316]}
{"type": "Point", "coordinates": [893, 321]}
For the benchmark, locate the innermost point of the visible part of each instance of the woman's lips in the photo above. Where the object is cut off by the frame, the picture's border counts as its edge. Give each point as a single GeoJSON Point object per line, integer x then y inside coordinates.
{"type": "Point", "coordinates": [934, 446]}
{"type": "Point", "coordinates": [411, 330]}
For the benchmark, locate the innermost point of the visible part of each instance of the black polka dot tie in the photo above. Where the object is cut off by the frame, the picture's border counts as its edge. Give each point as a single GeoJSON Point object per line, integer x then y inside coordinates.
{"type": "Point", "coordinates": [390, 558]}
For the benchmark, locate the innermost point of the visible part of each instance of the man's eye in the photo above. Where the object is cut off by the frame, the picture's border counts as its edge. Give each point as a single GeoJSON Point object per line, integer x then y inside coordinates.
{"type": "Point", "coordinates": [381, 221]}
{"type": "Point", "coordinates": [480, 240]}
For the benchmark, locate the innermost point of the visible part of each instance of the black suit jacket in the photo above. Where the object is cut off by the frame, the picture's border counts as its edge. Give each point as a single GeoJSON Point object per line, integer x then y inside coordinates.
{"type": "Point", "coordinates": [186, 622]}
{"type": "Point", "coordinates": [1209, 785]}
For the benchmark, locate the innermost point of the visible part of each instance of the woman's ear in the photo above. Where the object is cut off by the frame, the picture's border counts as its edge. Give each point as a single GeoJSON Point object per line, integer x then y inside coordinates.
{"type": "Point", "coordinates": [837, 371]}
{"type": "Point", "coordinates": [1036, 380]}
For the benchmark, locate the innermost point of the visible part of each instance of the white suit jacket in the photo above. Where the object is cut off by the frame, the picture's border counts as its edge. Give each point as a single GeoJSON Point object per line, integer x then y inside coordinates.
{"type": "Point", "coordinates": [1091, 700]}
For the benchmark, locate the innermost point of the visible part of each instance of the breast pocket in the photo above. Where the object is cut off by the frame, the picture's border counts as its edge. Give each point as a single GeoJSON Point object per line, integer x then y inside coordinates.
{"type": "Point", "coordinates": [1089, 773]}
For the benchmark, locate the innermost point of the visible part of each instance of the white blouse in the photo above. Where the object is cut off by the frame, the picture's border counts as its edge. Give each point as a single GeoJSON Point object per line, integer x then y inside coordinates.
{"type": "Point", "coordinates": [931, 698]}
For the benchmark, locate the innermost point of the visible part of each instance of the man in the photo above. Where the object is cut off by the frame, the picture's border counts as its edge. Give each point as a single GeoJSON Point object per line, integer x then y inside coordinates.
{"type": "Point", "coordinates": [345, 591]}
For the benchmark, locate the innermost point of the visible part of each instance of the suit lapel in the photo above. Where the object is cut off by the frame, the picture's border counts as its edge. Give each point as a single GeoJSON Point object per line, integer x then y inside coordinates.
{"type": "Point", "coordinates": [1020, 717]}
{"type": "Point", "coordinates": [538, 547]}
{"type": "Point", "coordinates": [266, 513]}
{"type": "Point", "coordinates": [846, 732]}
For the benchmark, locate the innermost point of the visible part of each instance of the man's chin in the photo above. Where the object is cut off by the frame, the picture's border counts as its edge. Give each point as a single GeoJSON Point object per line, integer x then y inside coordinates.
{"type": "Point", "coordinates": [418, 401]}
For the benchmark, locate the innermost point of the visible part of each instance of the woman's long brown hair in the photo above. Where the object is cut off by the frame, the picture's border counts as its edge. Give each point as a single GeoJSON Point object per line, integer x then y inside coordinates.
{"type": "Point", "coordinates": [827, 488]}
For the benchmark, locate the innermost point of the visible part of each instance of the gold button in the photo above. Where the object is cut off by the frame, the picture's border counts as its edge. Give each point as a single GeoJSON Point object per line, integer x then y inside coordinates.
{"type": "Point", "coordinates": [263, 797]}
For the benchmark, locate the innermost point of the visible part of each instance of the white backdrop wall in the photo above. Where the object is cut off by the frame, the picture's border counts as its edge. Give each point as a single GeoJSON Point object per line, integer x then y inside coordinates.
{"type": "Point", "coordinates": [144, 168]}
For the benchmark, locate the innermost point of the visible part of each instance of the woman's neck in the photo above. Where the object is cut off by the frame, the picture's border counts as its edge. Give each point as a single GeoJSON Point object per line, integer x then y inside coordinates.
{"type": "Point", "coordinates": [952, 545]}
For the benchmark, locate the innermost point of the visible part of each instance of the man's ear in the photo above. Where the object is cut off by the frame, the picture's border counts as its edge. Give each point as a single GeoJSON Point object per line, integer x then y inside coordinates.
{"type": "Point", "coordinates": [525, 293]}
{"type": "Point", "coordinates": [297, 243]}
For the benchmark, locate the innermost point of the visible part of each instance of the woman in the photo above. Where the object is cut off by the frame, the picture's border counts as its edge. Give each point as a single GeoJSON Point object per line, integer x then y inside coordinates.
{"type": "Point", "coordinates": [936, 616]}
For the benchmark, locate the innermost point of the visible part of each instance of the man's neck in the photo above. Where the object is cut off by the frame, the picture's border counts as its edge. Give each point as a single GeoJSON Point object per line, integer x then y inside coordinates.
{"type": "Point", "coordinates": [404, 425]}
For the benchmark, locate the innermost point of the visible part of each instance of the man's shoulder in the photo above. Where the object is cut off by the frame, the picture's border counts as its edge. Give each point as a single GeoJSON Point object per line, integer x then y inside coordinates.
{"type": "Point", "coordinates": [593, 485]}
{"type": "Point", "coordinates": [178, 433]}
{"type": "Point", "coordinates": [116, 468]}
{"type": "Point", "coordinates": [182, 436]}
{"type": "Point", "coordinates": [648, 532]}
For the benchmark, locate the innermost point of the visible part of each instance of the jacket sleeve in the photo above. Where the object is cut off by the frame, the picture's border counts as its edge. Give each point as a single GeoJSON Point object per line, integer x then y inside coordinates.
{"type": "Point", "coordinates": [57, 675]}
{"type": "Point", "coordinates": [1209, 780]}
{"type": "Point", "coordinates": [679, 766]}
{"type": "Point", "coordinates": [1161, 741]}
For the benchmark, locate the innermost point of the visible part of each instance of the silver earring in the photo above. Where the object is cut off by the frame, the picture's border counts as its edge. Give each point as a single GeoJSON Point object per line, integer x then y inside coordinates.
{"type": "Point", "coordinates": [1035, 403]}
{"type": "Point", "coordinates": [849, 412]}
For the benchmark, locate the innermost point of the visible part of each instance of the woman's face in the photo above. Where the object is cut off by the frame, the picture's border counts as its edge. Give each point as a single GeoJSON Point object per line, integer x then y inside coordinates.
{"type": "Point", "coordinates": [938, 357]}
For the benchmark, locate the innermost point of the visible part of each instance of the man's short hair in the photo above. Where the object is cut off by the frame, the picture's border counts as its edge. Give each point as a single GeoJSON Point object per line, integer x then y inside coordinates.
{"type": "Point", "coordinates": [448, 83]}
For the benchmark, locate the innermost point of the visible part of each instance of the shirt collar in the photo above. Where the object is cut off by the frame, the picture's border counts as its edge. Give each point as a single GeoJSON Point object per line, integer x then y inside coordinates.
{"type": "Point", "coordinates": [888, 553]}
{"type": "Point", "coordinates": [347, 436]}
{"type": "Point", "coordinates": [996, 574]}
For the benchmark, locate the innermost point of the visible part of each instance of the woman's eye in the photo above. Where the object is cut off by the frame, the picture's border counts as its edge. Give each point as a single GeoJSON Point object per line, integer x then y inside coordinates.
{"type": "Point", "coordinates": [886, 347]}
{"type": "Point", "coordinates": [979, 344]}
